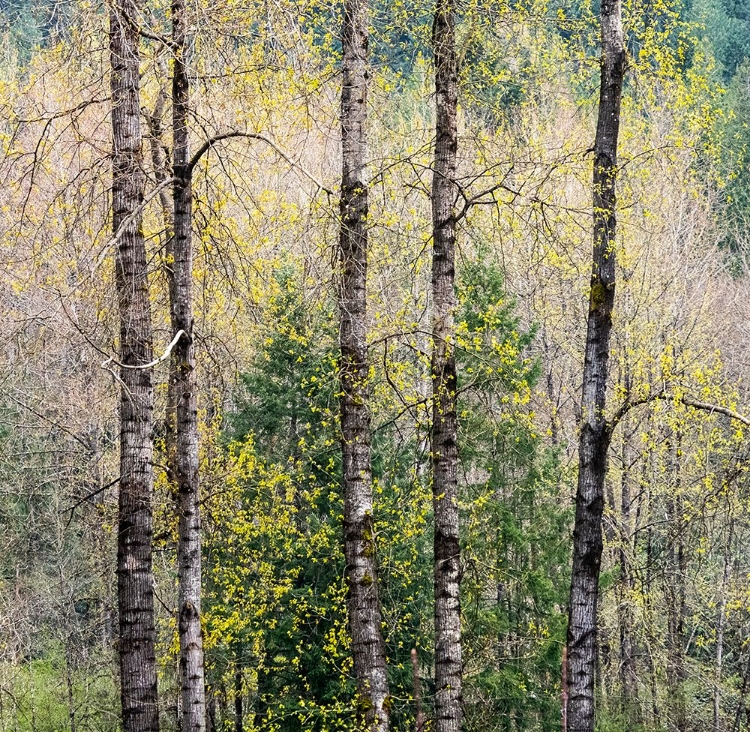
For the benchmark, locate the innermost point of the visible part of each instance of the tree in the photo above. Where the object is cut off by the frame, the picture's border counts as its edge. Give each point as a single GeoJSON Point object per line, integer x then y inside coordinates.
{"type": "Point", "coordinates": [444, 431]}
{"type": "Point", "coordinates": [595, 431]}
{"type": "Point", "coordinates": [135, 521]}
{"type": "Point", "coordinates": [368, 648]}
{"type": "Point", "coordinates": [183, 393]}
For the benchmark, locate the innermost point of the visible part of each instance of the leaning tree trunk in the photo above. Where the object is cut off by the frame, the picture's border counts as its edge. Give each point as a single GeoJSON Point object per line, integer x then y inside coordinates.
{"type": "Point", "coordinates": [595, 432]}
{"type": "Point", "coordinates": [135, 521]}
{"type": "Point", "coordinates": [368, 648]}
{"type": "Point", "coordinates": [447, 578]}
{"type": "Point", "coordinates": [183, 396]}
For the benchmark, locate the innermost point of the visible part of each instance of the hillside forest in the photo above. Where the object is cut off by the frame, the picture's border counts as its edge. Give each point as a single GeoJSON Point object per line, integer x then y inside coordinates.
{"type": "Point", "coordinates": [374, 366]}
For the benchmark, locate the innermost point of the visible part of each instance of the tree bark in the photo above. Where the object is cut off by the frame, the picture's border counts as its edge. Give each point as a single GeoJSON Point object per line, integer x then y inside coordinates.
{"type": "Point", "coordinates": [675, 593]}
{"type": "Point", "coordinates": [741, 705]}
{"type": "Point", "coordinates": [135, 521]}
{"type": "Point", "coordinates": [717, 721]}
{"type": "Point", "coordinates": [564, 685]}
{"type": "Point", "coordinates": [595, 433]}
{"type": "Point", "coordinates": [183, 395]}
{"type": "Point", "coordinates": [447, 577]}
{"type": "Point", "coordinates": [161, 165]}
{"type": "Point", "coordinates": [368, 647]}
{"type": "Point", "coordinates": [69, 686]}
{"type": "Point", "coordinates": [650, 626]}
{"type": "Point", "coordinates": [630, 701]}
{"type": "Point", "coordinates": [211, 713]}
{"type": "Point", "coordinates": [416, 686]}
{"type": "Point", "coordinates": [239, 716]}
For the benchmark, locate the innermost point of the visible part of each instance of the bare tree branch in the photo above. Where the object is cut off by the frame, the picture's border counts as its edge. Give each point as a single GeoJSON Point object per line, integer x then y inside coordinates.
{"type": "Point", "coordinates": [208, 144]}
{"type": "Point", "coordinates": [685, 399]}
{"type": "Point", "coordinates": [150, 364]}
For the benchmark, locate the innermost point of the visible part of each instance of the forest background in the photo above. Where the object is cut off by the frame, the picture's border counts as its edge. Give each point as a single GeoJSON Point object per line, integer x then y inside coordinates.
{"type": "Point", "coordinates": [674, 609]}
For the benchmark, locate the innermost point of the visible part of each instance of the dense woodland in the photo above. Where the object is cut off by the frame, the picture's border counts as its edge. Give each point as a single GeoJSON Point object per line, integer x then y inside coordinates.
{"type": "Point", "coordinates": [374, 366]}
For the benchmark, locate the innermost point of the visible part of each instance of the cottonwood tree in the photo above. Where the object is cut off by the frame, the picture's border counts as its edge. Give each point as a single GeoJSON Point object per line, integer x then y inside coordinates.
{"type": "Point", "coordinates": [135, 522]}
{"type": "Point", "coordinates": [595, 431]}
{"type": "Point", "coordinates": [181, 421]}
{"type": "Point", "coordinates": [444, 434]}
{"type": "Point", "coordinates": [368, 648]}
{"type": "Point", "coordinates": [183, 393]}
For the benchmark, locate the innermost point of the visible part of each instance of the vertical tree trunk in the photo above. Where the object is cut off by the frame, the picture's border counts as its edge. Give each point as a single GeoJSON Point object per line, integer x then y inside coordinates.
{"type": "Point", "coordinates": [675, 579]}
{"type": "Point", "coordinates": [368, 648]}
{"type": "Point", "coordinates": [741, 704]}
{"type": "Point", "coordinates": [135, 521]}
{"type": "Point", "coordinates": [595, 433]}
{"type": "Point", "coordinates": [650, 623]}
{"type": "Point", "coordinates": [211, 713]}
{"type": "Point", "coordinates": [183, 396]}
{"type": "Point", "coordinates": [162, 171]}
{"type": "Point", "coordinates": [159, 154]}
{"type": "Point", "coordinates": [564, 685]}
{"type": "Point", "coordinates": [717, 724]}
{"type": "Point", "coordinates": [239, 715]}
{"type": "Point", "coordinates": [69, 686]}
{"type": "Point", "coordinates": [223, 703]}
{"type": "Point", "coordinates": [630, 704]}
{"type": "Point", "coordinates": [416, 686]}
{"type": "Point", "coordinates": [444, 446]}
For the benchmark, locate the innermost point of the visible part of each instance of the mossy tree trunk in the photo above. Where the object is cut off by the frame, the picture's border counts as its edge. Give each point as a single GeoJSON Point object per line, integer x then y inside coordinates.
{"type": "Point", "coordinates": [595, 431]}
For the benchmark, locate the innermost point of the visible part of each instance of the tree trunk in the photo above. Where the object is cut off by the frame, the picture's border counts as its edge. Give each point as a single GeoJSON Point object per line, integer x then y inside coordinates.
{"type": "Point", "coordinates": [448, 671]}
{"type": "Point", "coordinates": [418, 715]}
{"type": "Point", "coordinates": [564, 685]}
{"type": "Point", "coordinates": [159, 154]}
{"type": "Point", "coordinates": [162, 172]}
{"type": "Point", "coordinates": [595, 433]}
{"type": "Point", "coordinates": [368, 648]}
{"type": "Point", "coordinates": [135, 521]}
{"type": "Point", "coordinates": [675, 578]}
{"type": "Point", "coordinates": [69, 687]}
{"type": "Point", "coordinates": [741, 705]}
{"type": "Point", "coordinates": [630, 706]}
{"type": "Point", "coordinates": [650, 625]}
{"type": "Point", "coordinates": [717, 723]}
{"type": "Point", "coordinates": [211, 713]}
{"type": "Point", "coordinates": [238, 692]}
{"type": "Point", "coordinates": [184, 398]}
